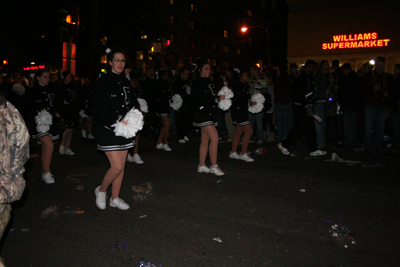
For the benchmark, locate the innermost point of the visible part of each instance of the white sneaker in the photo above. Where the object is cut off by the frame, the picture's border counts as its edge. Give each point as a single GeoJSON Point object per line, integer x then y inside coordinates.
{"type": "Point", "coordinates": [234, 155]}
{"type": "Point", "coordinates": [90, 136]}
{"type": "Point", "coordinates": [84, 134]}
{"type": "Point", "coordinates": [182, 141]}
{"type": "Point", "coordinates": [159, 146]}
{"type": "Point", "coordinates": [119, 203]}
{"type": "Point", "coordinates": [129, 158]}
{"type": "Point", "coordinates": [318, 153]}
{"type": "Point", "coordinates": [62, 150]}
{"type": "Point", "coordinates": [283, 149]}
{"type": "Point", "coordinates": [186, 138]}
{"type": "Point", "coordinates": [216, 170]}
{"type": "Point", "coordinates": [48, 178]}
{"type": "Point", "coordinates": [100, 198]}
{"type": "Point", "coordinates": [246, 157]}
{"type": "Point", "coordinates": [203, 168]}
{"type": "Point", "coordinates": [69, 152]}
{"type": "Point", "coordinates": [259, 142]}
{"type": "Point", "coordinates": [166, 147]}
{"type": "Point", "coordinates": [137, 159]}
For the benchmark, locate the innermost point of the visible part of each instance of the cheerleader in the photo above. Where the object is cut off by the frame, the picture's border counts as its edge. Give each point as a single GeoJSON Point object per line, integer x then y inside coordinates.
{"type": "Point", "coordinates": [39, 101]}
{"type": "Point", "coordinates": [112, 101]}
{"type": "Point", "coordinates": [67, 105]}
{"type": "Point", "coordinates": [204, 104]}
{"type": "Point", "coordinates": [163, 98]}
{"type": "Point", "coordinates": [240, 117]}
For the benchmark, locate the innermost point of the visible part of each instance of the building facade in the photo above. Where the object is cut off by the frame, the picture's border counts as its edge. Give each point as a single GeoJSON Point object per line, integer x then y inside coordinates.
{"type": "Point", "coordinates": [353, 31]}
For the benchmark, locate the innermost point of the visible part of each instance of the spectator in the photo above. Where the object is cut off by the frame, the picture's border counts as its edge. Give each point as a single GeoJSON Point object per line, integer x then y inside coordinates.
{"type": "Point", "coordinates": [257, 84]}
{"type": "Point", "coordinates": [377, 86]}
{"type": "Point", "coordinates": [321, 84]}
{"type": "Point", "coordinates": [349, 100]}
{"type": "Point", "coordinates": [304, 97]}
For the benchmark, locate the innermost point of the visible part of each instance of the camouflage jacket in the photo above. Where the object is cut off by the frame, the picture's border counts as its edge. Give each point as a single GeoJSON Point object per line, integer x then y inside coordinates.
{"type": "Point", "coordinates": [14, 152]}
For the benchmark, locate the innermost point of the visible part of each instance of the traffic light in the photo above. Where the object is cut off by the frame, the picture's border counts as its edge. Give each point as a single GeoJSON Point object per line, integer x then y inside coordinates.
{"type": "Point", "coordinates": [69, 20]}
{"type": "Point", "coordinates": [150, 53]}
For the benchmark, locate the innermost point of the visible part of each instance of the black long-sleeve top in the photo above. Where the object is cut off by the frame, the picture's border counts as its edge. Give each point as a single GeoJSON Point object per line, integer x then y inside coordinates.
{"type": "Point", "coordinates": [149, 93]}
{"type": "Point", "coordinates": [183, 89]}
{"type": "Point", "coordinates": [112, 99]}
{"type": "Point", "coordinates": [66, 98]}
{"type": "Point", "coordinates": [204, 96]}
{"type": "Point", "coordinates": [38, 98]}
{"type": "Point", "coordinates": [241, 97]}
{"type": "Point", "coordinates": [302, 86]}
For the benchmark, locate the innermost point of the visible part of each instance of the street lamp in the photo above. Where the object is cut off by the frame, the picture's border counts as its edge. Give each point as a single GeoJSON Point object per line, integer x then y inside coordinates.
{"type": "Point", "coordinates": [244, 29]}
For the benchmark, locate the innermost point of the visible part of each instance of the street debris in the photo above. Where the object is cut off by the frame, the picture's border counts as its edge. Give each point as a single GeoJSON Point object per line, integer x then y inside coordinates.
{"type": "Point", "coordinates": [143, 216]}
{"type": "Point", "coordinates": [24, 229]}
{"type": "Point", "coordinates": [217, 239]}
{"type": "Point", "coordinates": [148, 264]}
{"type": "Point", "coordinates": [120, 245]}
{"type": "Point", "coordinates": [302, 190]}
{"type": "Point", "coordinates": [259, 152]}
{"type": "Point", "coordinates": [341, 233]}
{"type": "Point", "coordinates": [80, 187]}
{"type": "Point", "coordinates": [371, 165]}
{"type": "Point", "coordinates": [336, 158]}
{"type": "Point", "coordinates": [143, 191]}
{"type": "Point", "coordinates": [219, 181]}
{"type": "Point", "coordinates": [51, 211]}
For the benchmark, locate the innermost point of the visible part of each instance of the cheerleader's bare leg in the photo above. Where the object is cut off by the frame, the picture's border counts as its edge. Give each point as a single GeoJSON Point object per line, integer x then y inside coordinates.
{"type": "Point", "coordinates": [115, 174]}
{"type": "Point", "coordinates": [211, 132]}
{"type": "Point", "coordinates": [248, 132]}
{"type": "Point", "coordinates": [47, 152]}
{"type": "Point", "coordinates": [167, 125]}
{"type": "Point", "coordinates": [236, 138]}
{"type": "Point", "coordinates": [69, 138]}
{"type": "Point", "coordinates": [136, 149]}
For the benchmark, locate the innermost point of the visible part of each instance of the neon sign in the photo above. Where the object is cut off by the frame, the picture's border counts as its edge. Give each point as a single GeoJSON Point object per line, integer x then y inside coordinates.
{"type": "Point", "coordinates": [360, 40]}
{"type": "Point", "coordinates": [34, 67]}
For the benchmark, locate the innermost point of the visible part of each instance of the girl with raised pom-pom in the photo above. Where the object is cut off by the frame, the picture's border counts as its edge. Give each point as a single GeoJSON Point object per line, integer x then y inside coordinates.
{"type": "Point", "coordinates": [118, 120]}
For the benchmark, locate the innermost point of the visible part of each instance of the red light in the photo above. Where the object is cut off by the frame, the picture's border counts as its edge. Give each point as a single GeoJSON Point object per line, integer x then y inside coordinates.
{"type": "Point", "coordinates": [167, 43]}
{"type": "Point", "coordinates": [5, 62]}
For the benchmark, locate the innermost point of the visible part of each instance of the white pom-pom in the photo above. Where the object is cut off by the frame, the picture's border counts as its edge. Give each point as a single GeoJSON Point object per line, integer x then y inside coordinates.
{"type": "Point", "coordinates": [43, 121]}
{"type": "Point", "coordinates": [176, 102]}
{"type": "Point", "coordinates": [226, 92]}
{"type": "Point", "coordinates": [108, 51]}
{"type": "Point", "coordinates": [143, 105]}
{"type": "Point", "coordinates": [259, 99]}
{"type": "Point", "coordinates": [227, 102]}
{"type": "Point", "coordinates": [134, 120]}
{"type": "Point", "coordinates": [82, 114]}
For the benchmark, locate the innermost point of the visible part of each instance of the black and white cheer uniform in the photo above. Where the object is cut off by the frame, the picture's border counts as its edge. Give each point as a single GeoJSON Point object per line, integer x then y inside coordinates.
{"type": "Point", "coordinates": [39, 98]}
{"type": "Point", "coordinates": [240, 103]}
{"type": "Point", "coordinates": [204, 102]}
{"type": "Point", "coordinates": [112, 100]}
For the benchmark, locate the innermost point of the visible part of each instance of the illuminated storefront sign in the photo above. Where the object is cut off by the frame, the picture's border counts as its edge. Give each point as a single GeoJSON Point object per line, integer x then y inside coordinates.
{"type": "Point", "coordinates": [360, 40]}
{"type": "Point", "coordinates": [34, 67]}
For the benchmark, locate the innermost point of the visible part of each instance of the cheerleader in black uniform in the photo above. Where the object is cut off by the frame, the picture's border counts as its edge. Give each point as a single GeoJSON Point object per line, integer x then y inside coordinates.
{"type": "Point", "coordinates": [112, 101]}
{"type": "Point", "coordinates": [204, 104]}
{"type": "Point", "coordinates": [40, 98]}
{"type": "Point", "coordinates": [240, 103]}
{"type": "Point", "coordinates": [163, 98]}
{"type": "Point", "coordinates": [67, 105]}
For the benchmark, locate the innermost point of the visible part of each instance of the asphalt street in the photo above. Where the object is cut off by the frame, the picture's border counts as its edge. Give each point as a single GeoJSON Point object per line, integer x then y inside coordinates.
{"type": "Point", "coordinates": [276, 211]}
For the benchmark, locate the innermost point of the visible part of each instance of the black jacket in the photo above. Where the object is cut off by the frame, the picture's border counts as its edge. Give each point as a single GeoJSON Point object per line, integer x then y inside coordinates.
{"type": "Point", "coordinates": [183, 89]}
{"type": "Point", "coordinates": [204, 96]}
{"type": "Point", "coordinates": [112, 99]}
{"type": "Point", "coordinates": [241, 97]}
{"type": "Point", "coordinates": [304, 92]}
